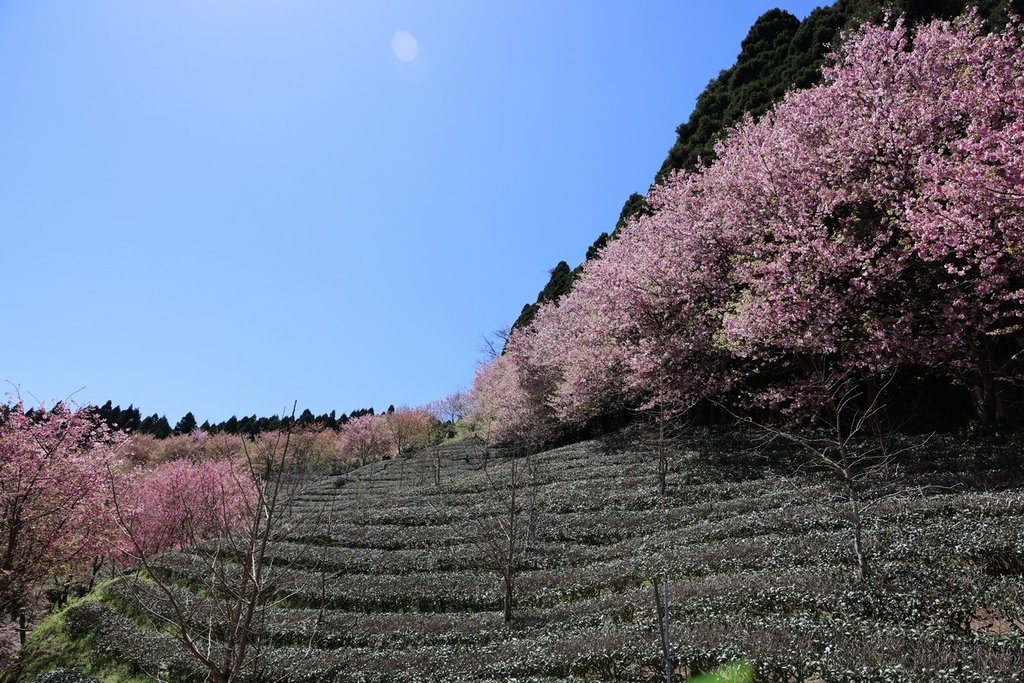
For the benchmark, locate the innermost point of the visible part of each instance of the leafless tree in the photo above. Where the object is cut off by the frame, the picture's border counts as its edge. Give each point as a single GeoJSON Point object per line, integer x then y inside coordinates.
{"type": "Point", "coordinates": [438, 434]}
{"type": "Point", "coordinates": [506, 526]}
{"type": "Point", "coordinates": [850, 438]}
{"type": "Point", "coordinates": [661, 606]}
{"type": "Point", "coordinates": [223, 626]}
{"type": "Point", "coordinates": [448, 411]}
{"type": "Point", "coordinates": [493, 345]}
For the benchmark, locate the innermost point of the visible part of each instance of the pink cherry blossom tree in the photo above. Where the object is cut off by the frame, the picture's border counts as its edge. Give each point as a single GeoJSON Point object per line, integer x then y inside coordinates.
{"type": "Point", "coordinates": [868, 224]}
{"type": "Point", "coordinates": [508, 404]}
{"type": "Point", "coordinates": [366, 438]}
{"type": "Point", "coordinates": [887, 219]}
{"type": "Point", "coordinates": [408, 428]}
{"type": "Point", "coordinates": [53, 518]}
{"type": "Point", "coordinates": [178, 504]}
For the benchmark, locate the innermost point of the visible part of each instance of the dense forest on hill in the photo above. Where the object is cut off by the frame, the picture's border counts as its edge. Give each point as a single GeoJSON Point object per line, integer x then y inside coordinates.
{"type": "Point", "coordinates": [780, 53]}
{"type": "Point", "coordinates": [158, 426]}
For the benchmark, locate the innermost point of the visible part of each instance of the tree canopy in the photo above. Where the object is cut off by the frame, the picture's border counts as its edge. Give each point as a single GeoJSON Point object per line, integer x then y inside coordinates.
{"type": "Point", "coordinates": [779, 54]}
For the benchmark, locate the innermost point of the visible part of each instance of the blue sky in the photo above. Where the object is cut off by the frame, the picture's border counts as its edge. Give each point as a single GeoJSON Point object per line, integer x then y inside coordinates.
{"type": "Point", "coordinates": [222, 207]}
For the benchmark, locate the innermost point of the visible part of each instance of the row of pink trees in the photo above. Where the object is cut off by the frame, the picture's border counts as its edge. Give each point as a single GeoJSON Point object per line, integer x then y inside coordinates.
{"type": "Point", "coordinates": [76, 495]}
{"type": "Point", "coordinates": [872, 223]}
{"type": "Point", "coordinates": [315, 444]}
{"type": "Point", "coordinates": [71, 501]}
{"type": "Point", "coordinates": [178, 504]}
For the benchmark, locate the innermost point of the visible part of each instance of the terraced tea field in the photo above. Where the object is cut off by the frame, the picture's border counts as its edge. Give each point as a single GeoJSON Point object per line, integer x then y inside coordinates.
{"type": "Point", "coordinates": [385, 576]}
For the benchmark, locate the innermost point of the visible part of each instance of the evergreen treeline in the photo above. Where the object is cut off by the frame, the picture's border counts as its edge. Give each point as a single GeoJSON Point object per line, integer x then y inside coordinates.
{"type": "Point", "coordinates": [158, 426]}
{"type": "Point", "coordinates": [779, 54]}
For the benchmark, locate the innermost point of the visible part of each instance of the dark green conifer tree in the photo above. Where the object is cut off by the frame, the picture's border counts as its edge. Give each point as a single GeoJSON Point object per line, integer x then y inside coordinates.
{"type": "Point", "coordinates": [186, 425]}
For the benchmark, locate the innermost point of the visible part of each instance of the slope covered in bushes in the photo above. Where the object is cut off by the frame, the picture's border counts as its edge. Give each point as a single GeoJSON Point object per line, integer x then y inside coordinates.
{"type": "Point", "coordinates": [397, 582]}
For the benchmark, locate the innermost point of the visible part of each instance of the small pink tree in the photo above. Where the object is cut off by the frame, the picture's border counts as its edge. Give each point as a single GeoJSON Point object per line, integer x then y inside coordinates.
{"type": "Point", "coordinates": [366, 438]}
{"type": "Point", "coordinates": [451, 408]}
{"type": "Point", "coordinates": [222, 446]}
{"type": "Point", "coordinates": [317, 446]}
{"type": "Point", "coordinates": [571, 340]}
{"type": "Point", "coordinates": [409, 428]}
{"type": "Point", "coordinates": [53, 469]}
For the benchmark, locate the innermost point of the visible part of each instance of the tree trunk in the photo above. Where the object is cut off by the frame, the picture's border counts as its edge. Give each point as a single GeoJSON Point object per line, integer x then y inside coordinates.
{"type": "Point", "coordinates": [10, 595]}
{"type": "Point", "coordinates": [509, 589]}
{"type": "Point", "coordinates": [988, 407]}
{"type": "Point", "coordinates": [661, 606]}
{"type": "Point", "coordinates": [859, 549]}
{"type": "Point", "coordinates": [510, 557]}
{"type": "Point", "coordinates": [662, 457]}
{"type": "Point", "coordinates": [22, 628]}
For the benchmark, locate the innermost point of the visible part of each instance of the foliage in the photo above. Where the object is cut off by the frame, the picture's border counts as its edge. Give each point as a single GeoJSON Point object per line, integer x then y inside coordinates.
{"type": "Point", "coordinates": [779, 54]}
{"type": "Point", "coordinates": [560, 282]}
{"type": "Point", "coordinates": [187, 424]}
{"type": "Point", "coordinates": [868, 224]}
{"type": "Point", "coordinates": [176, 505]}
{"type": "Point", "coordinates": [53, 517]}
{"type": "Point", "coordinates": [58, 654]}
{"type": "Point", "coordinates": [733, 673]}
{"type": "Point", "coordinates": [157, 426]}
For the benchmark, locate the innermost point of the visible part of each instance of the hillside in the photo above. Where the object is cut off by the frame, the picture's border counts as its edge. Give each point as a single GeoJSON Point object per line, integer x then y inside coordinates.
{"type": "Point", "coordinates": [384, 576]}
{"type": "Point", "coordinates": [779, 54]}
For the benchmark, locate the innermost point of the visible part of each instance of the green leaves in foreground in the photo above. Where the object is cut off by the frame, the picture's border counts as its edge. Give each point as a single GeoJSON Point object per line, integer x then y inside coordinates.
{"type": "Point", "coordinates": [737, 672]}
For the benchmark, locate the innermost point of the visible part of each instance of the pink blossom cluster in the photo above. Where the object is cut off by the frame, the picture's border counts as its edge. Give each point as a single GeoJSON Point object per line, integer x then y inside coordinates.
{"type": "Point", "coordinates": [369, 438]}
{"type": "Point", "coordinates": [54, 496]}
{"type": "Point", "coordinates": [873, 222]}
{"type": "Point", "coordinates": [71, 500]}
{"type": "Point", "coordinates": [178, 504]}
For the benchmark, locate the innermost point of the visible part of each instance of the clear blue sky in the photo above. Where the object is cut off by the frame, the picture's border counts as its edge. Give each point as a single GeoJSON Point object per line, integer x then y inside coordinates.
{"type": "Point", "coordinates": [226, 206]}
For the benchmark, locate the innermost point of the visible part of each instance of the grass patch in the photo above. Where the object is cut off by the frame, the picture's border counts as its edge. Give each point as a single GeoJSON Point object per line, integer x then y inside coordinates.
{"type": "Point", "coordinates": [51, 646]}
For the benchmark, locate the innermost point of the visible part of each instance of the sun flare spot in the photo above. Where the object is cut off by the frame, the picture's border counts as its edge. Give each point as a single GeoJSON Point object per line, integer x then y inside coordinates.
{"type": "Point", "coordinates": [404, 45]}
